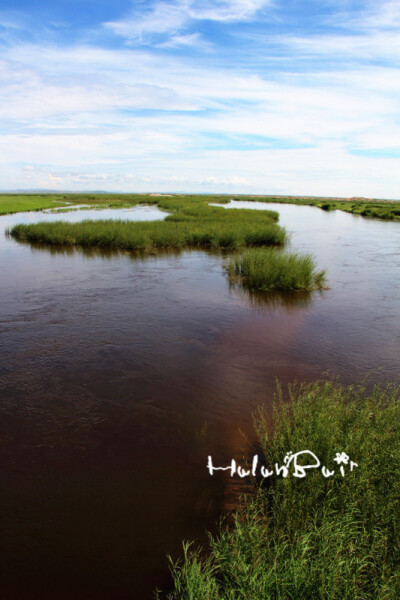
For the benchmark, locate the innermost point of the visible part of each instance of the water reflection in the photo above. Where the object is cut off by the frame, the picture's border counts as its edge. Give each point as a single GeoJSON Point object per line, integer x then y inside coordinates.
{"type": "Point", "coordinates": [265, 301]}
{"type": "Point", "coordinates": [104, 252]}
{"type": "Point", "coordinates": [64, 209]}
{"type": "Point", "coordinates": [93, 252]}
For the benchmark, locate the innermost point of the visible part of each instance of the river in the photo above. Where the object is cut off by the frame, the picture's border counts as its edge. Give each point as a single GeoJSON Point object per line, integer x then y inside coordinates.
{"type": "Point", "coordinates": [121, 373]}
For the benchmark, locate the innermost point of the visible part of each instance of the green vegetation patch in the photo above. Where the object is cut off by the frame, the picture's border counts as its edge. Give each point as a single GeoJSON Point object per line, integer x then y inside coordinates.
{"type": "Point", "coordinates": [192, 224]}
{"type": "Point", "coordinates": [317, 537]}
{"type": "Point", "coordinates": [14, 203]}
{"type": "Point", "coordinates": [271, 270]}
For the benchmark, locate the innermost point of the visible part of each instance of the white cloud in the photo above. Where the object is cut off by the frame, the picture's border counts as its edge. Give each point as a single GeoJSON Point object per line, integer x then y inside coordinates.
{"type": "Point", "coordinates": [350, 48]}
{"type": "Point", "coordinates": [165, 17]}
{"type": "Point", "coordinates": [225, 10]}
{"type": "Point", "coordinates": [326, 170]}
{"type": "Point", "coordinates": [384, 14]}
{"type": "Point", "coordinates": [88, 117]}
{"type": "Point", "coordinates": [192, 39]}
{"type": "Point", "coordinates": [173, 17]}
{"type": "Point", "coordinates": [11, 20]}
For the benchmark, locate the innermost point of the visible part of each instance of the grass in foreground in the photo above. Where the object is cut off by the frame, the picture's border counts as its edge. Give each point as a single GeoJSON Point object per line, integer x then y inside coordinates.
{"type": "Point", "coordinates": [191, 224]}
{"type": "Point", "coordinates": [335, 538]}
{"type": "Point", "coordinates": [268, 270]}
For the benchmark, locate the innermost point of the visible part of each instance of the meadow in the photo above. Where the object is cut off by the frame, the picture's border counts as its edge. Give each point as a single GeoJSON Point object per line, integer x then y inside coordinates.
{"type": "Point", "coordinates": [317, 537]}
{"type": "Point", "coordinates": [20, 203]}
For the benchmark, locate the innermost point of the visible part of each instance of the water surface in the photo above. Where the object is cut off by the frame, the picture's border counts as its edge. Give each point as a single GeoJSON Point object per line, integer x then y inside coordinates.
{"type": "Point", "coordinates": [121, 373]}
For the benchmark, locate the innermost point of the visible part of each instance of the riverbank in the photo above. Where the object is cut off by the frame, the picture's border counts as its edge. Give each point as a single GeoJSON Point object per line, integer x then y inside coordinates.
{"type": "Point", "coordinates": [387, 210]}
{"type": "Point", "coordinates": [324, 534]}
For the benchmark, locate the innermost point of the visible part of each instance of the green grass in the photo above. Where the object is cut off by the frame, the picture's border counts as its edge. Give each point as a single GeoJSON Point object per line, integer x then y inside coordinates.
{"type": "Point", "coordinates": [13, 203]}
{"type": "Point", "coordinates": [315, 538]}
{"type": "Point", "coordinates": [192, 223]}
{"type": "Point", "coordinates": [269, 270]}
{"type": "Point", "coordinates": [387, 211]}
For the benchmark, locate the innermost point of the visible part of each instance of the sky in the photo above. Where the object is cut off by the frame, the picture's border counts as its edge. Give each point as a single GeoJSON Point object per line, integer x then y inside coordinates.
{"type": "Point", "coordinates": [207, 96]}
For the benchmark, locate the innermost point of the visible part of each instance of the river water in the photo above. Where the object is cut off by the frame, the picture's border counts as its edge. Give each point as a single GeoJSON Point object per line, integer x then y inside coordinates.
{"type": "Point", "coordinates": [121, 373]}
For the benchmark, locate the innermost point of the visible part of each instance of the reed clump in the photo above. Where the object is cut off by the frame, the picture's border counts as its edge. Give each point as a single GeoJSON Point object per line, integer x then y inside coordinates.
{"type": "Point", "coordinates": [271, 270]}
{"type": "Point", "coordinates": [319, 538]}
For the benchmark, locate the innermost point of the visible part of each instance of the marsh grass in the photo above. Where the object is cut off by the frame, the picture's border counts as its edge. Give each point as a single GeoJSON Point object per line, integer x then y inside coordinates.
{"type": "Point", "coordinates": [269, 270]}
{"type": "Point", "coordinates": [315, 538]}
{"type": "Point", "coordinates": [190, 224]}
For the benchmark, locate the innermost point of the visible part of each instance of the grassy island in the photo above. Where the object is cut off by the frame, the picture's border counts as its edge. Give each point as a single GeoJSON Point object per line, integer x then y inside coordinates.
{"type": "Point", "coordinates": [265, 270]}
{"type": "Point", "coordinates": [192, 223]}
{"type": "Point", "coordinates": [321, 537]}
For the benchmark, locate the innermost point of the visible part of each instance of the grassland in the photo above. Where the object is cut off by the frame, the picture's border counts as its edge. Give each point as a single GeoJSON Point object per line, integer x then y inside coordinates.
{"type": "Point", "coordinates": [192, 223]}
{"type": "Point", "coordinates": [312, 538]}
{"type": "Point", "coordinates": [13, 203]}
{"type": "Point", "coordinates": [265, 270]}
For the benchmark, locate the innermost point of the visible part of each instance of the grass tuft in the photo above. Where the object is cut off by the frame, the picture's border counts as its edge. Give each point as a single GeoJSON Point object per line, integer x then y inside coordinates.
{"type": "Point", "coordinates": [270, 270]}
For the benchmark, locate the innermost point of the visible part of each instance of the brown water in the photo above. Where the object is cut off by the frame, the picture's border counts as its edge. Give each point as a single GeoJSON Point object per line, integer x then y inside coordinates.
{"type": "Point", "coordinates": [119, 375]}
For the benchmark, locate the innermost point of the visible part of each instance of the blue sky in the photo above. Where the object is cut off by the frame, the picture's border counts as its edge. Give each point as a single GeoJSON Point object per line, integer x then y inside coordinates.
{"type": "Point", "coordinates": [225, 96]}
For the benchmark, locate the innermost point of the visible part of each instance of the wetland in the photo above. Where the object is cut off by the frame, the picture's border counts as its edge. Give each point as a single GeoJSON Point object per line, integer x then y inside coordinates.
{"type": "Point", "coordinates": [123, 371]}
